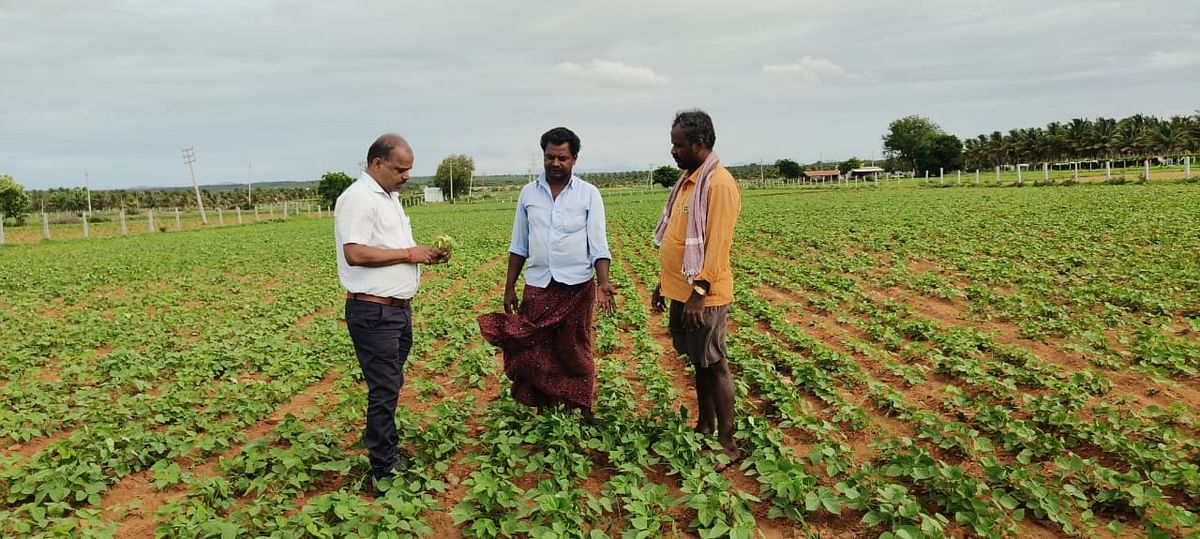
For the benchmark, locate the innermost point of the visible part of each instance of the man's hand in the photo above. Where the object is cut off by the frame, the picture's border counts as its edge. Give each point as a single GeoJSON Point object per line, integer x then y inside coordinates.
{"type": "Point", "coordinates": [657, 303]}
{"type": "Point", "coordinates": [423, 254]}
{"type": "Point", "coordinates": [693, 312]}
{"type": "Point", "coordinates": [510, 300]}
{"type": "Point", "coordinates": [606, 299]}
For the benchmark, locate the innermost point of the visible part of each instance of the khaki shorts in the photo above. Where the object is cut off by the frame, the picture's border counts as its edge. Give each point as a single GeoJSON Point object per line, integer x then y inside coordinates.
{"type": "Point", "coordinates": [704, 345]}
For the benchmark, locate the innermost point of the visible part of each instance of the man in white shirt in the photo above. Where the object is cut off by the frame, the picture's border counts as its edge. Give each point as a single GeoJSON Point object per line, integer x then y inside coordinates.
{"type": "Point", "coordinates": [377, 261]}
{"type": "Point", "coordinates": [559, 230]}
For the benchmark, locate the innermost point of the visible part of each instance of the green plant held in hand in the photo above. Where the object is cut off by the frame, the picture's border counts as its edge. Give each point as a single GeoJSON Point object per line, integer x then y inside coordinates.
{"type": "Point", "coordinates": [444, 242]}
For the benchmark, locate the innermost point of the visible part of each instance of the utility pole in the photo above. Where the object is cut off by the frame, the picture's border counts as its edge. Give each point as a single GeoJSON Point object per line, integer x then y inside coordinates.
{"type": "Point", "coordinates": [189, 157]}
{"type": "Point", "coordinates": [87, 186]}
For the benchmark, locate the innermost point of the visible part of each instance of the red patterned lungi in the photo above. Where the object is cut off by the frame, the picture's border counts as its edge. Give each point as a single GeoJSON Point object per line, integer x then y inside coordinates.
{"type": "Point", "coordinates": [547, 345]}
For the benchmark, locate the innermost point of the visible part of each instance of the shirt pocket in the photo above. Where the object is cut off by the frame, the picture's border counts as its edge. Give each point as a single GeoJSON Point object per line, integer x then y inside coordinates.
{"type": "Point", "coordinates": [391, 222]}
{"type": "Point", "coordinates": [676, 227]}
{"type": "Point", "coordinates": [571, 222]}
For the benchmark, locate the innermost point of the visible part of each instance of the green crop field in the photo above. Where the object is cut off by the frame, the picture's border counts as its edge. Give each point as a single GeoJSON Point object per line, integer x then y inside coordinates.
{"type": "Point", "coordinates": [910, 363]}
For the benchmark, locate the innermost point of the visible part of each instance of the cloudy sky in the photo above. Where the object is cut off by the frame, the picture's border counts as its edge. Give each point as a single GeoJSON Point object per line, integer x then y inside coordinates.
{"type": "Point", "coordinates": [117, 87]}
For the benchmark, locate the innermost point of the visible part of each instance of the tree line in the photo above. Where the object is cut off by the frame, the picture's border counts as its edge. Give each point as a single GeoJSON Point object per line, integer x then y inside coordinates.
{"type": "Point", "coordinates": [917, 143]}
{"type": "Point", "coordinates": [1136, 137]}
{"type": "Point", "coordinates": [16, 202]}
{"type": "Point", "coordinates": [912, 143]}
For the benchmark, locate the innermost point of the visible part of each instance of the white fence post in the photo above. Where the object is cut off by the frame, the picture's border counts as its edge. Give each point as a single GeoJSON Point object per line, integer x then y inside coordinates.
{"type": "Point", "coordinates": [124, 228]}
{"type": "Point", "coordinates": [976, 177]}
{"type": "Point", "coordinates": [958, 177]}
{"type": "Point", "coordinates": [1019, 179]}
{"type": "Point", "coordinates": [45, 225]}
{"type": "Point", "coordinates": [239, 212]}
{"type": "Point", "coordinates": [150, 219]}
{"type": "Point", "coordinates": [1, 228]}
{"type": "Point", "coordinates": [1187, 167]}
{"type": "Point", "coordinates": [1045, 173]}
{"type": "Point", "coordinates": [1077, 171]}
{"type": "Point", "coordinates": [85, 224]}
{"type": "Point", "coordinates": [1108, 171]}
{"type": "Point", "coordinates": [220, 217]}
{"type": "Point", "coordinates": [272, 208]}
{"type": "Point", "coordinates": [942, 175]}
{"type": "Point", "coordinates": [178, 224]}
{"type": "Point", "coordinates": [1147, 169]}
{"type": "Point", "coordinates": [285, 210]}
{"type": "Point", "coordinates": [256, 213]}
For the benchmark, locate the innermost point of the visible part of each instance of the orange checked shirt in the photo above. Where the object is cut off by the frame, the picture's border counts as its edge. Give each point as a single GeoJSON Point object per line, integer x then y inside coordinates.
{"type": "Point", "coordinates": [724, 204]}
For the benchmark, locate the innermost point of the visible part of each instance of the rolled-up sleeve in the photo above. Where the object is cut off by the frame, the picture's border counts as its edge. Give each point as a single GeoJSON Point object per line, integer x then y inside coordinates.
{"type": "Point", "coordinates": [520, 233]}
{"type": "Point", "coordinates": [597, 230]}
{"type": "Point", "coordinates": [354, 219]}
{"type": "Point", "coordinates": [724, 203]}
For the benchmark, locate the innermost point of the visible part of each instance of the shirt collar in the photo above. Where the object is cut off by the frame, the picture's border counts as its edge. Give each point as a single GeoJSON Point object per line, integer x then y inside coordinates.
{"type": "Point", "coordinates": [371, 183]}
{"type": "Point", "coordinates": [541, 182]}
{"type": "Point", "coordinates": [691, 178]}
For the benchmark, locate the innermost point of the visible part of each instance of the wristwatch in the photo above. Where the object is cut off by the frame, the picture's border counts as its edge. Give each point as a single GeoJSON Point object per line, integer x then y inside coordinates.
{"type": "Point", "coordinates": [699, 290]}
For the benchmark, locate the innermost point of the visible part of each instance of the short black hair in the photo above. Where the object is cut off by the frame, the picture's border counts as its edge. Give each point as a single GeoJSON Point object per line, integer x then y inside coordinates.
{"type": "Point", "coordinates": [383, 146]}
{"type": "Point", "coordinates": [561, 135]}
{"type": "Point", "coordinates": [697, 126]}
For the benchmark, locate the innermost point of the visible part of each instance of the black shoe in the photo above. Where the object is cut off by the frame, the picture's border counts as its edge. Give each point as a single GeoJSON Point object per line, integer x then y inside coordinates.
{"type": "Point", "coordinates": [381, 484]}
{"type": "Point", "coordinates": [404, 460]}
{"type": "Point", "coordinates": [402, 463]}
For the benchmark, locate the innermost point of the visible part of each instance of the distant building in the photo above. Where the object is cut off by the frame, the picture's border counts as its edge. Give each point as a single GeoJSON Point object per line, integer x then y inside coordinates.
{"type": "Point", "coordinates": [866, 172]}
{"type": "Point", "coordinates": [822, 175]}
{"type": "Point", "coordinates": [434, 194]}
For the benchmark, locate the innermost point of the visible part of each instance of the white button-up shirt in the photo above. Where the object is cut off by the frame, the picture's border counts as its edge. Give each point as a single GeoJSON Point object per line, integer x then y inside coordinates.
{"type": "Point", "coordinates": [560, 238]}
{"type": "Point", "coordinates": [367, 215]}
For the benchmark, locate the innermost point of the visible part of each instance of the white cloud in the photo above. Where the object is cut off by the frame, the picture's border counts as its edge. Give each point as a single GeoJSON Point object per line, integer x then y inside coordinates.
{"type": "Point", "coordinates": [616, 73]}
{"type": "Point", "coordinates": [809, 70]}
{"type": "Point", "coordinates": [1175, 58]}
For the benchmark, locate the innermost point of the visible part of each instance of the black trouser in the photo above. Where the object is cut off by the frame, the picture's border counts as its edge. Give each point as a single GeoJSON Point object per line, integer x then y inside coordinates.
{"type": "Point", "coordinates": [382, 337]}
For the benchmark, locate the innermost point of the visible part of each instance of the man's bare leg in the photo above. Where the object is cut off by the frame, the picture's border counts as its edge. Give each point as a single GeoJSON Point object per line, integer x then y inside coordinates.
{"type": "Point", "coordinates": [722, 397]}
{"type": "Point", "coordinates": [706, 420]}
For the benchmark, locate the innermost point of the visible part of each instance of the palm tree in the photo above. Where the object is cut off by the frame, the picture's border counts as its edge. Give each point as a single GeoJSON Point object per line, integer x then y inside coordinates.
{"type": "Point", "coordinates": [1104, 138]}
{"type": "Point", "coordinates": [1172, 137]}
{"type": "Point", "coordinates": [1191, 125]}
{"type": "Point", "coordinates": [1129, 133]}
{"type": "Point", "coordinates": [1053, 142]}
{"type": "Point", "coordinates": [996, 145]}
{"type": "Point", "coordinates": [1079, 138]}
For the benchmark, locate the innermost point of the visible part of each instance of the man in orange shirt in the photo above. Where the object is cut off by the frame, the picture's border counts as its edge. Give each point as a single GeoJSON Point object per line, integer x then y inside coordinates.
{"type": "Point", "coordinates": [694, 235]}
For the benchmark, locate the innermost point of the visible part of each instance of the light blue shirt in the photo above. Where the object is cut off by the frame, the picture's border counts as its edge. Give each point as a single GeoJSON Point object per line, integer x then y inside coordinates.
{"type": "Point", "coordinates": [561, 238]}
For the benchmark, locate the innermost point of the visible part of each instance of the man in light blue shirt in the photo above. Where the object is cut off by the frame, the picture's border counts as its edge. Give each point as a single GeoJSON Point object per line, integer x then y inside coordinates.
{"type": "Point", "coordinates": [559, 239]}
{"type": "Point", "coordinates": [559, 230]}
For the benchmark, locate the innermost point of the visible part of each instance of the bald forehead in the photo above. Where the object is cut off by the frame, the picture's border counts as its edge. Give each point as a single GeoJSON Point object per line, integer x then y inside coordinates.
{"type": "Point", "coordinates": [389, 146]}
{"type": "Point", "coordinates": [397, 142]}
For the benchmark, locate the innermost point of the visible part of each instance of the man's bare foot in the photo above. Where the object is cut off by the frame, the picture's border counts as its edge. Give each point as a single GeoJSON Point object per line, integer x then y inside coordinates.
{"type": "Point", "coordinates": [589, 418]}
{"type": "Point", "coordinates": [734, 455]}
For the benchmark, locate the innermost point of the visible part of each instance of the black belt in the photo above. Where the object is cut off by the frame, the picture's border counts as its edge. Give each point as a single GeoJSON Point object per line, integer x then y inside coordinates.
{"type": "Point", "coordinates": [403, 303]}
